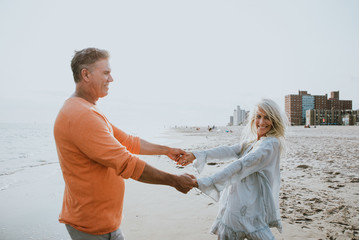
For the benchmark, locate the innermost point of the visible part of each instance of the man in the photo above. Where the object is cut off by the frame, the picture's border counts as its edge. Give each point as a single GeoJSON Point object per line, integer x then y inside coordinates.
{"type": "Point", "coordinates": [95, 156]}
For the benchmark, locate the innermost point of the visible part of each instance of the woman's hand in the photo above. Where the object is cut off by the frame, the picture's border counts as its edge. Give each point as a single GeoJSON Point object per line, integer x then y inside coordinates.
{"type": "Point", "coordinates": [186, 159]}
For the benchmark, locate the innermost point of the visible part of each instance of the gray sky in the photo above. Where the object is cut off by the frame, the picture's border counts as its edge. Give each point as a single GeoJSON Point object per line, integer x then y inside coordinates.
{"type": "Point", "coordinates": [177, 62]}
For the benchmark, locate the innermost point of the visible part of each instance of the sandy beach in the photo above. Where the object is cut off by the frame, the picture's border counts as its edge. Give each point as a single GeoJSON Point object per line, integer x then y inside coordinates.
{"type": "Point", "coordinates": [319, 193]}
{"type": "Point", "coordinates": [320, 179]}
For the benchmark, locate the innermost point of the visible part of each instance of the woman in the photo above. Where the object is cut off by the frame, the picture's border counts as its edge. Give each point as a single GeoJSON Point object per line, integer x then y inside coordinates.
{"type": "Point", "coordinates": [248, 188]}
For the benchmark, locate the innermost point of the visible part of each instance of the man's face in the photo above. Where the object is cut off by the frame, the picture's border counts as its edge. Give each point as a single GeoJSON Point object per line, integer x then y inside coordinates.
{"type": "Point", "coordinates": [100, 78]}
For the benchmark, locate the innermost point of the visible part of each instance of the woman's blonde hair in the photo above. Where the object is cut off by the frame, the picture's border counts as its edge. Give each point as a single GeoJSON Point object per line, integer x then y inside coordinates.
{"type": "Point", "coordinates": [278, 119]}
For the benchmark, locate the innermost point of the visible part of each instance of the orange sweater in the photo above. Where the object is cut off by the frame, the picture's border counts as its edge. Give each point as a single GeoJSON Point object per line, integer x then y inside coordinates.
{"type": "Point", "coordinates": [95, 157]}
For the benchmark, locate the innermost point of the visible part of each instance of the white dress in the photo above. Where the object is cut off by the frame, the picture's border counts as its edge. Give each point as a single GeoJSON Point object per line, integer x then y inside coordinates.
{"type": "Point", "coordinates": [248, 189]}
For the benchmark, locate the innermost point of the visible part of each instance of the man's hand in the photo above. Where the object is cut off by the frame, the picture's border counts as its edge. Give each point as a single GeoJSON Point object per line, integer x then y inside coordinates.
{"type": "Point", "coordinates": [182, 183]}
{"type": "Point", "coordinates": [175, 153]}
{"type": "Point", "coordinates": [186, 159]}
{"type": "Point", "coordinates": [185, 183]}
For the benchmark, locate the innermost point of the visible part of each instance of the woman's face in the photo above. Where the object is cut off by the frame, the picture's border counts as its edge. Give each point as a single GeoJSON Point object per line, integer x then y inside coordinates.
{"type": "Point", "coordinates": [263, 124]}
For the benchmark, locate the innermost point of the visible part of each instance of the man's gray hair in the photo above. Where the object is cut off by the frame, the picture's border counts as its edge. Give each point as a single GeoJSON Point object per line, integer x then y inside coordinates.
{"type": "Point", "coordinates": [84, 59]}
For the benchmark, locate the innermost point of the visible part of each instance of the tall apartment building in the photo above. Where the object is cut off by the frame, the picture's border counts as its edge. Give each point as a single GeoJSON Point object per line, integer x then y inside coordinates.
{"type": "Point", "coordinates": [321, 102]}
{"type": "Point", "coordinates": [296, 105]}
{"type": "Point", "coordinates": [335, 103]}
{"type": "Point", "coordinates": [293, 108]}
{"type": "Point", "coordinates": [239, 115]}
{"type": "Point", "coordinates": [230, 121]}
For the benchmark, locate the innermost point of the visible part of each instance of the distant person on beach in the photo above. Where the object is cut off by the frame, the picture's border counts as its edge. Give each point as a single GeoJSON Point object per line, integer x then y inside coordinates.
{"type": "Point", "coordinates": [96, 157]}
{"type": "Point", "coordinates": [248, 188]}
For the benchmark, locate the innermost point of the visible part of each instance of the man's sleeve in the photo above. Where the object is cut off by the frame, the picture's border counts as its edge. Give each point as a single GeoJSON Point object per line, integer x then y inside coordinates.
{"type": "Point", "coordinates": [92, 136]}
{"type": "Point", "coordinates": [132, 143]}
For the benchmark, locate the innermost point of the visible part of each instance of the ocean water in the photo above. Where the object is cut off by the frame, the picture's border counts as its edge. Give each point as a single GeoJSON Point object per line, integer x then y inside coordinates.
{"type": "Point", "coordinates": [24, 146]}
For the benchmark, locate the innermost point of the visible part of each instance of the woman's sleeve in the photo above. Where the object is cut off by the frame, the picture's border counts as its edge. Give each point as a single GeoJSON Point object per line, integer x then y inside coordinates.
{"type": "Point", "coordinates": [223, 153]}
{"type": "Point", "coordinates": [236, 171]}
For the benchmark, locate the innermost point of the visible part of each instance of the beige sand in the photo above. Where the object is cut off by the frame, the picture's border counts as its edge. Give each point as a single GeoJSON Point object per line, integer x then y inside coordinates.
{"type": "Point", "coordinates": [319, 194]}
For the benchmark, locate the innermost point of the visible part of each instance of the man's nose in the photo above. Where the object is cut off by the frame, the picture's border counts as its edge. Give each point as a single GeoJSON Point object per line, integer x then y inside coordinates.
{"type": "Point", "coordinates": [110, 79]}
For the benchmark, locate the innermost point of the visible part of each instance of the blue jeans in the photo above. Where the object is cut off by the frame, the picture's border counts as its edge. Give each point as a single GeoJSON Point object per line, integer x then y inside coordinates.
{"type": "Point", "coordinates": [78, 235]}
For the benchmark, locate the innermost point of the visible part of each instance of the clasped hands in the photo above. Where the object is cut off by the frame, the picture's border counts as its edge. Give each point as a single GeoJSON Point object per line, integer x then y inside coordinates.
{"type": "Point", "coordinates": [185, 182]}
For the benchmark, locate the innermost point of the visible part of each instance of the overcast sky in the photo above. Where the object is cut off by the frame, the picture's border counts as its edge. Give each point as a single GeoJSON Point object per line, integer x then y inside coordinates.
{"type": "Point", "coordinates": [188, 62]}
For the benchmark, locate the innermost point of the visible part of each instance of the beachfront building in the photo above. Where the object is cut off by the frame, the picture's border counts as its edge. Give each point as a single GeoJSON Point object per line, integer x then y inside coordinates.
{"type": "Point", "coordinates": [351, 118]}
{"type": "Point", "coordinates": [293, 109]}
{"type": "Point", "coordinates": [323, 117]}
{"type": "Point", "coordinates": [230, 121]}
{"type": "Point", "coordinates": [335, 103]}
{"type": "Point", "coordinates": [239, 116]}
{"type": "Point", "coordinates": [331, 117]}
{"type": "Point", "coordinates": [297, 105]}
{"type": "Point", "coordinates": [307, 104]}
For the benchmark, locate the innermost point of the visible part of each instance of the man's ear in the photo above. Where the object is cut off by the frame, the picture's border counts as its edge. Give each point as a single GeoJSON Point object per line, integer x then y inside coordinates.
{"type": "Point", "coordinates": [85, 74]}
